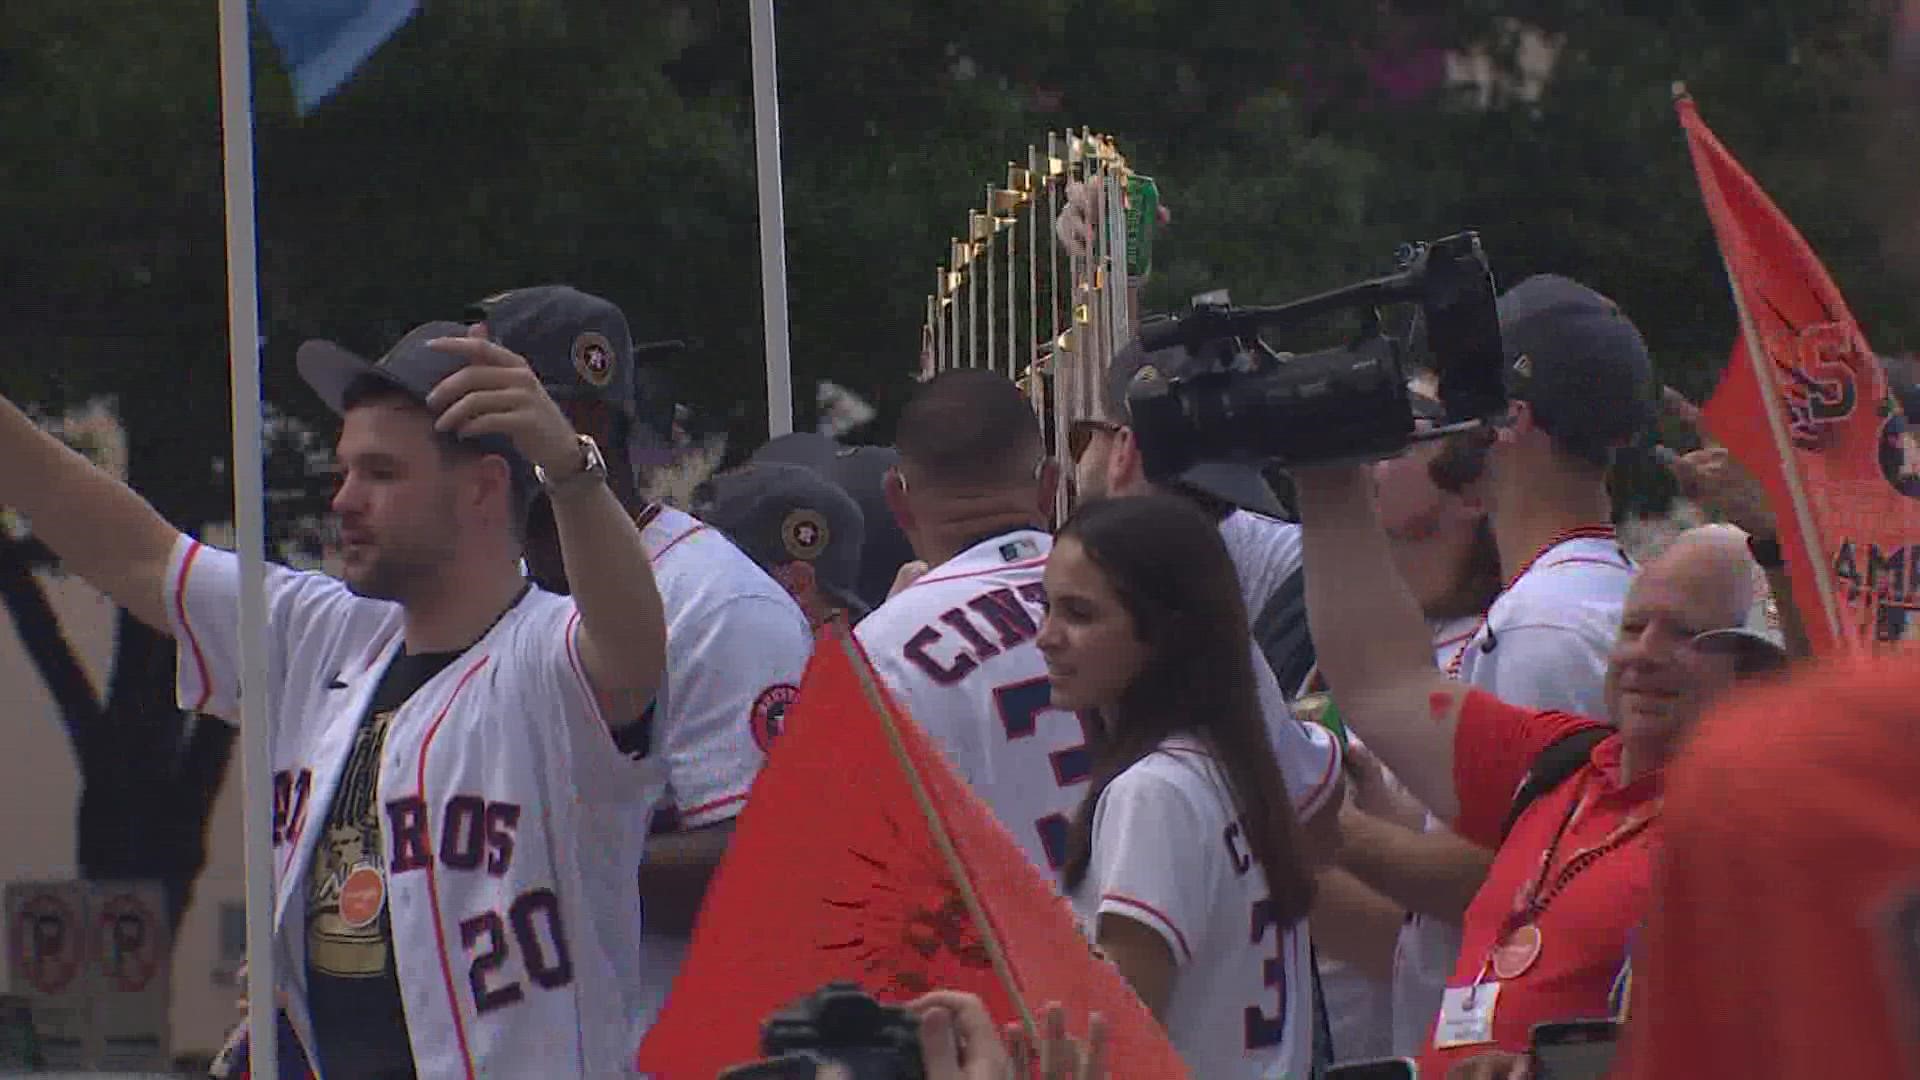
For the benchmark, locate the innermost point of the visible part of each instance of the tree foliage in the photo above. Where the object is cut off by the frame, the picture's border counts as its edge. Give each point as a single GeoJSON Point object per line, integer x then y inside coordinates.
{"type": "Point", "coordinates": [496, 143]}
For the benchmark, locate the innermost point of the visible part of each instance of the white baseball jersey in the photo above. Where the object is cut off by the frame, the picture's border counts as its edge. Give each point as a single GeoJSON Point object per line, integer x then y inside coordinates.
{"type": "Point", "coordinates": [737, 645]}
{"type": "Point", "coordinates": [1168, 852]}
{"type": "Point", "coordinates": [1265, 551]}
{"type": "Point", "coordinates": [511, 823]}
{"type": "Point", "coordinates": [956, 649]}
{"type": "Point", "coordinates": [1552, 629]}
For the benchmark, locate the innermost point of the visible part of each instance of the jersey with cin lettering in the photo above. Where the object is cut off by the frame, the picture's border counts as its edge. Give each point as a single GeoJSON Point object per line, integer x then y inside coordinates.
{"type": "Point", "coordinates": [956, 649]}
{"type": "Point", "coordinates": [1169, 853]}
{"type": "Point", "coordinates": [510, 821]}
{"type": "Point", "coordinates": [737, 644]}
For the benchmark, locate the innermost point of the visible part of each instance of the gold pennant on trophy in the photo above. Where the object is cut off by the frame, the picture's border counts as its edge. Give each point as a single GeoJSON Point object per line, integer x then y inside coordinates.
{"type": "Point", "coordinates": [1013, 298]}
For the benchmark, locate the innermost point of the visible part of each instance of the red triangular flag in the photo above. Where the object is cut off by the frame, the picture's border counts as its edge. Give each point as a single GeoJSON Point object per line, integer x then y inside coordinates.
{"type": "Point", "coordinates": [862, 856]}
{"type": "Point", "coordinates": [1805, 406]}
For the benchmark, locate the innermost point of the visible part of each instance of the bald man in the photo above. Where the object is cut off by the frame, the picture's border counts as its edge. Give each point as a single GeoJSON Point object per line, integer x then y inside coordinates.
{"type": "Point", "coordinates": [1546, 936]}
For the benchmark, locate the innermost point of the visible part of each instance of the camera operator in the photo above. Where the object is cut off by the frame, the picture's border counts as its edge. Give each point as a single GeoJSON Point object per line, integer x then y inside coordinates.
{"type": "Point", "coordinates": [1434, 505]}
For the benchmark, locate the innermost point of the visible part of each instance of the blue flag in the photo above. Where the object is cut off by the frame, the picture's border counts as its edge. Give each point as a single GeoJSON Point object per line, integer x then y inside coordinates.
{"type": "Point", "coordinates": [324, 41]}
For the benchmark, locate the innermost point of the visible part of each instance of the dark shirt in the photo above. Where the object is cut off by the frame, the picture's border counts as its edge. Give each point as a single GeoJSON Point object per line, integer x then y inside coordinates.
{"type": "Point", "coordinates": [359, 1020]}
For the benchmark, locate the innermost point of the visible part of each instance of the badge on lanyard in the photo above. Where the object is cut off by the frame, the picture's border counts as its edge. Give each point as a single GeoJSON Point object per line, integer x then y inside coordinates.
{"type": "Point", "coordinates": [1466, 1015]}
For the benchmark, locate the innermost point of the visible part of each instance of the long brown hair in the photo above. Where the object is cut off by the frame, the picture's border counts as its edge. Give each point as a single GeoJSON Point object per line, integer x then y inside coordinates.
{"type": "Point", "coordinates": [1171, 571]}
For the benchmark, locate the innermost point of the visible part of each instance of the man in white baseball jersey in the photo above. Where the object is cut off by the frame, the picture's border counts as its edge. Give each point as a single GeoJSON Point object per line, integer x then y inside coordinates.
{"type": "Point", "coordinates": [956, 648]}
{"type": "Point", "coordinates": [1582, 387]}
{"type": "Point", "coordinates": [453, 817]}
{"type": "Point", "coordinates": [736, 641]}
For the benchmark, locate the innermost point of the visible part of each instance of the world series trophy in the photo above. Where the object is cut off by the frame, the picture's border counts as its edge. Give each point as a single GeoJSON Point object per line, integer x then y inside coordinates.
{"type": "Point", "coordinates": [1010, 299]}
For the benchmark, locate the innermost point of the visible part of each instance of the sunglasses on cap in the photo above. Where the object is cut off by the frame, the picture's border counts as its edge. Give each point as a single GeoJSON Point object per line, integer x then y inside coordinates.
{"type": "Point", "coordinates": [1080, 435]}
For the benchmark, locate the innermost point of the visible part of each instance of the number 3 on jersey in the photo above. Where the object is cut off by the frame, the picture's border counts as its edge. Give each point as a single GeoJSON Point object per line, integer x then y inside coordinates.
{"type": "Point", "coordinates": [1020, 705]}
{"type": "Point", "coordinates": [1264, 1030]}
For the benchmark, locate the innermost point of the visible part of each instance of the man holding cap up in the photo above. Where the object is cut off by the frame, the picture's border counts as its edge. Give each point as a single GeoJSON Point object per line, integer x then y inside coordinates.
{"type": "Point", "coordinates": [455, 825]}
{"type": "Point", "coordinates": [799, 527]}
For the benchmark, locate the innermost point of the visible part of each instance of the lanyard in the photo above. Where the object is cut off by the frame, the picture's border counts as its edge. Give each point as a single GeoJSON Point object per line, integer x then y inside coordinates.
{"type": "Point", "coordinates": [1520, 929]}
{"type": "Point", "coordinates": [1583, 532]}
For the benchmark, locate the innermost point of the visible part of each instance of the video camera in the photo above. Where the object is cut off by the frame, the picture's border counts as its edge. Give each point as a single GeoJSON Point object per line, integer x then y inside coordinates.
{"type": "Point", "coordinates": [837, 1024]}
{"type": "Point", "coordinates": [1236, 399]}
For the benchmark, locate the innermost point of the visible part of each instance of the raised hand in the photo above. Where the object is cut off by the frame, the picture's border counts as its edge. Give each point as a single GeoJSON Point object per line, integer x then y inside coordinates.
{"type": "Point", "coordinates": [497, 393]}
{"type": "Point", "coordinates": [1059, 1056]}
{"type": "Point", "coordinates": [1712, 478]}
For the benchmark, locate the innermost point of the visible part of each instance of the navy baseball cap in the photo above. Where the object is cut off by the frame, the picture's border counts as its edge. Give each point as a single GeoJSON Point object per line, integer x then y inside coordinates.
{"type": "Point", "coordinates": [578, 343]}
{"type": "Point", "coordinates": [779, 513]}
{"type": "Point", "coordinates": [410, 366]}
{"type": "Point", "coordinates": [861, 472]}
{"type": "Point", "coordinates": [1581, 364]}
{"type": "Point", "coordinates": [1239, 483]}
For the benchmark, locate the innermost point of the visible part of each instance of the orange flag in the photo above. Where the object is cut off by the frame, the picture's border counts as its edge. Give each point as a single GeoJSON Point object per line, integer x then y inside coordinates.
{"type": "Point", "coordinates": [863, 857]}
{"type": "Point", "coordinates": [1805, 407]}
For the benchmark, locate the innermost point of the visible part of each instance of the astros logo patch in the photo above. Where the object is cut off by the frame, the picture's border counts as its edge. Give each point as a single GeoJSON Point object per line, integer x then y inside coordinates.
{"type": "Point", "coordinates": [804, 534]}
{"type": "Point", "coordinates": [769, 714]}
{"type": "Point", "coordinates": [593, 358]}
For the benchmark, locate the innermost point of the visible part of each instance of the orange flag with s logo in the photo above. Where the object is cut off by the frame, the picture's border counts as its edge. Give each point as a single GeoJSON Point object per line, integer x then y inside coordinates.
{"type": "Point", "coordinates": [1806, 408]}
{"type": "Point", "coordinates": [862, 856]}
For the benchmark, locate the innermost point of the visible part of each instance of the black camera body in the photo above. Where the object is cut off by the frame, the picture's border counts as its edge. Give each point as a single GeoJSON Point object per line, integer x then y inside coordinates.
{"type": "Point", "coordinates": [1236, 399]}
{"type": "Point", "coordinates": [838, 1023]}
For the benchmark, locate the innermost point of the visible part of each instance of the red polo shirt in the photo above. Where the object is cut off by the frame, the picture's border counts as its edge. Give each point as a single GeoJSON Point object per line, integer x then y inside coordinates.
{"type": "Point", "coordinates": [1584, 927]}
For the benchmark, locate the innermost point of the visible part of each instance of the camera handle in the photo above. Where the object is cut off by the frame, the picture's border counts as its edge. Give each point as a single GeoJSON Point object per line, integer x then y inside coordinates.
{"type": "Point", "coordinates": [1209, 321]}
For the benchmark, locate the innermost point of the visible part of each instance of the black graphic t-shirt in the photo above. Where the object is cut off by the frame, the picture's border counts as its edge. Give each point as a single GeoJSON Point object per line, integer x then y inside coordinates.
{"type": "Point", "coordinates": [359, 1022]}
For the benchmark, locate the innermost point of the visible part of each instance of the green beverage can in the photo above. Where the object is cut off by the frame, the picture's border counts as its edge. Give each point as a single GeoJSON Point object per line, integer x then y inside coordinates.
{"type": "Point", "coordinates": [1141, 200]}
{"type": "Point", "coordinates": [1320, 709]}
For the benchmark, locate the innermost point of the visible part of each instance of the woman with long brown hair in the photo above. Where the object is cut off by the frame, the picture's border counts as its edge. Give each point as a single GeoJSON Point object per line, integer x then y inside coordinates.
{"type": "Point", "coordinates": [1185, 862]}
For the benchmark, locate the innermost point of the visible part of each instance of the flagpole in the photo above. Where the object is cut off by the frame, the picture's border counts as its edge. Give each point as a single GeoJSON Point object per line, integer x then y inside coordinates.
{"type": "Point", "coordinates": [773, 221]}
{"type": "Point", "coordinates": [1783, 445]}
{"type": "Point", "coordinates": [249, 511]}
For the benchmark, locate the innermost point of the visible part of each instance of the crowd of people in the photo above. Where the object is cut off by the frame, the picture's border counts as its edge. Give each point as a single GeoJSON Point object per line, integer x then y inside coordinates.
{"type": "Point", "coordinates": [1422, 828]}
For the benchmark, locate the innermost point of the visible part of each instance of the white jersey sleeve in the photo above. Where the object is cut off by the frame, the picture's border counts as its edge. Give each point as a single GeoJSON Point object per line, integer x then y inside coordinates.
{"type": "Point", "coordinates": [308, 614]}
{"type": "Point", "coordinates": [1309, 754]}
{"type": "Point", "coordinates": [1148, 864]}
{"type": "Point", "coordinates": [733, 669]}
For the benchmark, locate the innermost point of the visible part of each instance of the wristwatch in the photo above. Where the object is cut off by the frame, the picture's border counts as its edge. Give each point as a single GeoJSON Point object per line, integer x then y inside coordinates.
{"type": "Point", "coordinates": [1766, 552]}
{"type": "Point", "coordinates": [592, 464]}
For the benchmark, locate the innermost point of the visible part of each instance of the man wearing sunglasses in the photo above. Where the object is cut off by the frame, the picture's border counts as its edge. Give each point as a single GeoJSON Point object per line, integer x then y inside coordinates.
{"type": "Point", "coordinates": [1265, 548]}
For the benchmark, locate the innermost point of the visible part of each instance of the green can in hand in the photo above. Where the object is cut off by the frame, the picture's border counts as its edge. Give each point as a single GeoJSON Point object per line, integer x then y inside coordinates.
{"type": "Point", "coordinates": [1142, 203]}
